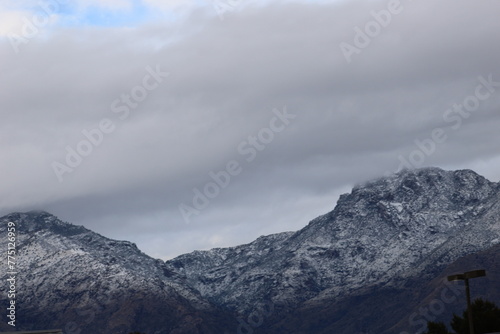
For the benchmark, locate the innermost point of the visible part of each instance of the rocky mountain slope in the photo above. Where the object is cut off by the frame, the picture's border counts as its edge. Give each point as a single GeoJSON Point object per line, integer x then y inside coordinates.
{"type": "Point", "coordinates": [381, 235]}
{"type": "Point", "coordinates": [72, 278]}
{"type": "Point", "coordinates": [364, 267]}
{"type": "Point", "coordinates": [397, 309]}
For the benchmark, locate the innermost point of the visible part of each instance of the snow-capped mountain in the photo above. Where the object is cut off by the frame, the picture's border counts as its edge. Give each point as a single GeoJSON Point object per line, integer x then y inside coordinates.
{"type": "Point", "coordinates": [326, 277]}
{"type": "Point", "coordinates": [72, 278]}
{"type": "Point", "coordinates": [382, 233]}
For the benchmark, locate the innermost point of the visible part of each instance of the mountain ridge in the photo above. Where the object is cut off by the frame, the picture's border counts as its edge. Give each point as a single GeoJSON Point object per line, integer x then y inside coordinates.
{"type": "Point", "coordinates": [84, 275]}
{"type": "Point", "coordinates": [379, 237]}
{"type": "Point", "coordinates": [400, 203]}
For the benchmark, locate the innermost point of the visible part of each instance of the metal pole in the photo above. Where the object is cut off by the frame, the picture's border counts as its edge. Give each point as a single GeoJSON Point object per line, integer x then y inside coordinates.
{"type": "Point", "coordinates": [469, 306]}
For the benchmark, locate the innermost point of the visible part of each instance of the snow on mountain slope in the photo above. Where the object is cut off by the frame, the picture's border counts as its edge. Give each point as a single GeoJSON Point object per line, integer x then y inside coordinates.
{"type": "Point", "coordinates": [380, 236]}
{"type": "Point", "coordinates": [383, 231]}
{"type": "Point", "coordinates": [69, 273]}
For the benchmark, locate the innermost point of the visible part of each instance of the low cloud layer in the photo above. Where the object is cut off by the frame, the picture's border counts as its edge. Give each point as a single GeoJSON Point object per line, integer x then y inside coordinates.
{"type": "Point", "coordinates": [157, 139]}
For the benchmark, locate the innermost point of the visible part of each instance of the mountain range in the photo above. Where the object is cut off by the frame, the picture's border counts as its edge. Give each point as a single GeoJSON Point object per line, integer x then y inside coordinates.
{"type": "Point", "coordinates": [376, 263]}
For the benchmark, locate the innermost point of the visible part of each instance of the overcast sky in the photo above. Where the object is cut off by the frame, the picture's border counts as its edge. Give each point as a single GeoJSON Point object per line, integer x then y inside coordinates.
{"type": "Point", "coordinates": [118, 114]}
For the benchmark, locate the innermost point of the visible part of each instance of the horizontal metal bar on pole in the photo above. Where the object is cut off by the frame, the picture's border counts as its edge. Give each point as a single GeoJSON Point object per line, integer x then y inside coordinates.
{"type": "Point", "coordinates": [475, 273]}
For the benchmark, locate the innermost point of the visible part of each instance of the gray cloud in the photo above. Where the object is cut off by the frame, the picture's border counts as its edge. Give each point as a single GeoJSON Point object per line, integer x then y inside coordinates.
{"type": "Point", "coordinates": [353, 120]}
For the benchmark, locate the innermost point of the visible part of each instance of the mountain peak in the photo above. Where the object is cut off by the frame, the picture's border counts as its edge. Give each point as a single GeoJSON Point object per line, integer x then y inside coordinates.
{"type": "Point", "coordinates": [412, 199]}
{"type": "Point", "coordinates": [432, 183]}
{"type": "Point", "coordinates": [38, 220]}
{"type": "Point", "coordinates": [427, 175]}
